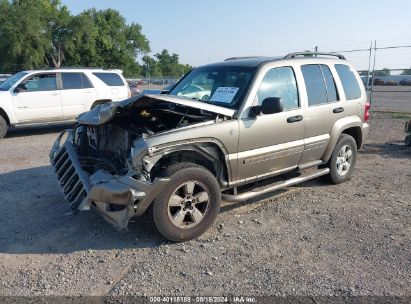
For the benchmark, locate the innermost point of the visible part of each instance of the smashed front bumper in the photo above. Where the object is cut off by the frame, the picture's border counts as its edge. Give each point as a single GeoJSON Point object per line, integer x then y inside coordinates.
{"type": "Point", "coordinates": [101, 190]}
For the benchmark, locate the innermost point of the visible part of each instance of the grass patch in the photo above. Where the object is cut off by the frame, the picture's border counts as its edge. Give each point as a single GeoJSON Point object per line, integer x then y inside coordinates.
{"type": "Point", "coordinates": [395, 115]}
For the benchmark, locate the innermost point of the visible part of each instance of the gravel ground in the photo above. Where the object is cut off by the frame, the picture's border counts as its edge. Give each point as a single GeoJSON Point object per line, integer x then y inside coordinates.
{"type": "Point", "coordinates": [395, 98]}
{"type": "Point", "coordinates": [312, 239]}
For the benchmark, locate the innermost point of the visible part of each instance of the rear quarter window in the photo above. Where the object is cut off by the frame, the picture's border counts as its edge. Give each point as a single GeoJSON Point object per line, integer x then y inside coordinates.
{"type": "Point", "coordinates": [110, 79]}
{"type": "Point", "coordinates": [349, 82]}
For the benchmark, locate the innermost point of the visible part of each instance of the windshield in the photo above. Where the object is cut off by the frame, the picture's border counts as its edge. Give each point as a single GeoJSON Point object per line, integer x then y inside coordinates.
{"type": "Point", "coordinates": [219, 85]}
{"type": "Point", "coordinates": [9, 82]}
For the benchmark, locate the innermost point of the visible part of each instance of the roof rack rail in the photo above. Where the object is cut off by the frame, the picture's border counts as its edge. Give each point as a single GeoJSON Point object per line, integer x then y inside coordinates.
{"type": "Point", "coordinates": [244, 57]}
{"type": "Point", "coordinates": [74, 68]}
{"type": "Point", "coordinates": [294, 55]}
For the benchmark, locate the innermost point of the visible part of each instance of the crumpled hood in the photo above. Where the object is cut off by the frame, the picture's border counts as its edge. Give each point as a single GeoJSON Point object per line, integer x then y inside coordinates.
{"type": "Point", "coordinates": [105, 112]}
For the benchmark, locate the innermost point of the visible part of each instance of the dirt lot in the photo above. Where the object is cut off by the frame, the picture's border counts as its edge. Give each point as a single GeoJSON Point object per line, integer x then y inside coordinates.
{"type": "Point", "coordinates": [313, 239]}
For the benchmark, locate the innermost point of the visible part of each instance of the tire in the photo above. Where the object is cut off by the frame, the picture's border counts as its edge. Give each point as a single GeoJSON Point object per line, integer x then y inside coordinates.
{"type": "Point", "coordinates": [97, 103]}
{"type": "Point", "coordinates": [3, 127]}
{"type": "Point", "coordinates": [342, 161]}
{"type": "Point", "coordinates": [189, 203]}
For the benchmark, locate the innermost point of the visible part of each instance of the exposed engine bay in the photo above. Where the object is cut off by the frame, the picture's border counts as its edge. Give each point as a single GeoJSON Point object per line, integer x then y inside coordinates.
{"type": "Point", "coordinates": [107, 146]}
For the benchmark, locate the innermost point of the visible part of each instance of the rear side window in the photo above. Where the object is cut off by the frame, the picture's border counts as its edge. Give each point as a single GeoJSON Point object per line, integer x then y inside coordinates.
{"type": "Point", "coordinates": [280, 82]}
{"type": "Point", "coordinates": [349, 81]}
{"type": "Point", "coordinates": [73, 81]}
{"type": "Point", "coordinates": [329, 83]}
{"type": "Point", "coordinates": [319, 83]}
{"type": "Point", "coordinates": [110, 79]}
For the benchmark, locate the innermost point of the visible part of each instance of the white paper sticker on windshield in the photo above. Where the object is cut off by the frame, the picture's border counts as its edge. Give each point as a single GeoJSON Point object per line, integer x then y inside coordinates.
{"type": "Point", "coordinates": [224, 94]}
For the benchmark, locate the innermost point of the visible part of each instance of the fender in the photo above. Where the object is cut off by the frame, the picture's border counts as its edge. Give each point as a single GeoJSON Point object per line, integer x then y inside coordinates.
{"type": "Point", "coordinates": [336, 131]}
{"type": "Point", "coordinates": [200, 146]}
{"type": "Point", "coordinates": [7, 110]}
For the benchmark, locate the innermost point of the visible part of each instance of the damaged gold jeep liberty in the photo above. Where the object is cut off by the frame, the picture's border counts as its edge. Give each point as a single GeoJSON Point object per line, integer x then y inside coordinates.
{"type": "Point", "coordinates": [218, 132]}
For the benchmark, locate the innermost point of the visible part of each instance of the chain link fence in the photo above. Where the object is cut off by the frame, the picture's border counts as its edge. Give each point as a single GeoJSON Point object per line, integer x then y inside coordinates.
{"type": "Point", "coordinates": [388, 86]}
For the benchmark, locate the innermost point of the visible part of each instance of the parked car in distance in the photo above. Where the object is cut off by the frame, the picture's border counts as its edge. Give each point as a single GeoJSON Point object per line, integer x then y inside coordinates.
{"type": "Point", "coordinates": [134, 89]}
{"type": "Point", "coordinates": [56, 95]}
{"type": "Point", "coordinates": [164, 90]}
{"type": "Point", "coordinates": [306, 116]}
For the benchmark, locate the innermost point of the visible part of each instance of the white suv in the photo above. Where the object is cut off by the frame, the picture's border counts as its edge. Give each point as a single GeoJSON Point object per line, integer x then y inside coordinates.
{"type": "Point", "coordinates": [57, 95]}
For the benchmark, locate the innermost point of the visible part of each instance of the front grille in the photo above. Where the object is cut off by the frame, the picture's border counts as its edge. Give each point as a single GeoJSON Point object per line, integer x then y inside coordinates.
{"type": "Point", "coordinates": [72, 179]}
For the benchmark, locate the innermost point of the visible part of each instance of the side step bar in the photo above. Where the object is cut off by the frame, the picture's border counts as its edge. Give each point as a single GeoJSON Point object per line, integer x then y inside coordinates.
{"type": "Point", "coordinates": [273, 187]}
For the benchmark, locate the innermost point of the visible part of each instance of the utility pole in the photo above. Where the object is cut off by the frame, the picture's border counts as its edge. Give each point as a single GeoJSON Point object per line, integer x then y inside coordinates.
{"type": "Point", "coordinates": [373, 72]}
{"type": "Point", "coordinates": [148, 73]}
{"type": "Point", "coordinates": [369, 68]}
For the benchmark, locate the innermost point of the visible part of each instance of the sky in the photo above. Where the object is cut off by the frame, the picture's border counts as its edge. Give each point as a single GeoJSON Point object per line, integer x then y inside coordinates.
{"type": "Point", "coordinates": [212, 30]}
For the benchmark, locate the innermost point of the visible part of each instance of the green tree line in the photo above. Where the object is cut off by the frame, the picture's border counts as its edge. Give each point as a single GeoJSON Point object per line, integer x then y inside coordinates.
{"type": "Point", "coordinates": [44, 33]}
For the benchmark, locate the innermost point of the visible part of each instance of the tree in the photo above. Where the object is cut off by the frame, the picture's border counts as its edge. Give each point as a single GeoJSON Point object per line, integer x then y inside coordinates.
{"type": "Point", "coordinates": [169, 64]}
{"type": "Point", "coordinates": [308, 53]}
{"type": "Point", "coordinates": [383, 72]}
{"type": "Point", "coordinates": [406, 72]}
{"type": "Point", "coordinates": [35, 33]}
{"type": "Point", "coordinates": [151, 67]}
{"type": "Point", "coordinates": [26, 28]}
{"type": "Point", "coordinates": [103, 39]}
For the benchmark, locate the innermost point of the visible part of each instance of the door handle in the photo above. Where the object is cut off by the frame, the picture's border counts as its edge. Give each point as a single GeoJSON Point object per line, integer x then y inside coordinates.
{"type": "Point", "coordinates": [338, 110]}
{"type": "Point", "coordinates": [294, 118]}
{"type": "Point", "coordinates": [53, 94]}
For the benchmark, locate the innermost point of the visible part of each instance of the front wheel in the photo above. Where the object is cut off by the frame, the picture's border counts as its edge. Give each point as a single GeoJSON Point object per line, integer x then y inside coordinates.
{"type": "Point", "coordinates": [343, 160]}
{"type": "Point", "coordinates": [189, 203]}
{"type": "Point", "coordinates": [3, 127]}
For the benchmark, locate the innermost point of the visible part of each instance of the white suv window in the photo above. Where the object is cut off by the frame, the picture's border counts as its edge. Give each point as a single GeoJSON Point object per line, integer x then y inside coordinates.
{"type": "Point", "coordinates": [75, 81]}
{"type": "Point", "coordinates": [41, 82]}
{"type": "Point", "coordinates": [110, 79]}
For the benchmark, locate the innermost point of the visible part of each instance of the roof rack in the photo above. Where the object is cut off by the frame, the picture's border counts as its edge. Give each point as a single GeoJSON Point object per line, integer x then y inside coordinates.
{"type": "Point", "coordinates": [245, 57]}
{"type": "Point", "coordinates": [75, 68]}
{"type": "Point", "coordinates": [294, 55]}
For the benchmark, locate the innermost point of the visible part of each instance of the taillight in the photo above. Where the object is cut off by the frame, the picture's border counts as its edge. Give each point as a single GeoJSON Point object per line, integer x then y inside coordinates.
{"type": "Point", "coordinates": [129, 92]}
{"type": "Point", "coordinates": [367, 111]}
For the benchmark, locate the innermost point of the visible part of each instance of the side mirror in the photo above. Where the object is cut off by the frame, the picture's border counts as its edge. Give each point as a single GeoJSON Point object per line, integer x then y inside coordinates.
{"type": "Point", "coordinates": [270, 105]}
{"type": "Point", "coordinates": [22, 87]}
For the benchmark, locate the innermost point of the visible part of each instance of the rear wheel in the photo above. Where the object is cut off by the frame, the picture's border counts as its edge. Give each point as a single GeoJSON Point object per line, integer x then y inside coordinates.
{"type": "Point", "coordinates": [343, 160]}
{"type": "Point", "coordinates": [3, 127]}
{"type": "Point", "coordinates": [99, 102]}
{"type": "Point", "coordinates": [189, 203]}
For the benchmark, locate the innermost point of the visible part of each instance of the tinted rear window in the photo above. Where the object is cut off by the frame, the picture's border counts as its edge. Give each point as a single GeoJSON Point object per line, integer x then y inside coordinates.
{"type": "Point", "coordinates": [73, 81]}
{"type": "Point", "coordinates": [110, 79]}
{"type": "Point", "coordinates": [349, 82]}
{"type": "Point", "coordinates": [329, 81]}
{"type": "Point", "coordinates": [320, 84]}
{"type": "Point", "coordinates": [314, 82]}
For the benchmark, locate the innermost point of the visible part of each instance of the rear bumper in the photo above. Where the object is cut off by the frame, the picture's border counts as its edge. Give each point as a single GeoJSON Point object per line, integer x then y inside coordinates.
{"type": "Point", "coordinates": [365, 131]}
{"type": "Point", "coordinates": [101, 190]}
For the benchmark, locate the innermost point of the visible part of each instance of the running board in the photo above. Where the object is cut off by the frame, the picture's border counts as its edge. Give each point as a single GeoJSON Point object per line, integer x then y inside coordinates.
{"type": "Point", "coordinates": [273, 187]}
